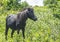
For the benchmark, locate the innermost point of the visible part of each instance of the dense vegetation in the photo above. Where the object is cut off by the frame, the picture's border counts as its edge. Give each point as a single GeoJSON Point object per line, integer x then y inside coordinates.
{"type": "Point", "coordinates": [45, 29]}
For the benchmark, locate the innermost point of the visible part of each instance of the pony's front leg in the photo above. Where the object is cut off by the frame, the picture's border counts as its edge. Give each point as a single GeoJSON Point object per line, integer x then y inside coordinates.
{"type": "Point", "coordinates": [18, 31]}
{"type": "Point", "coordinates": [23, 32]}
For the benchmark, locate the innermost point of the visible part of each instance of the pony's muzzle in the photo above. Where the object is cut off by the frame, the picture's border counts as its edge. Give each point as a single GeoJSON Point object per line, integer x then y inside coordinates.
{"type": "Point", "coordinates": [35, 18]}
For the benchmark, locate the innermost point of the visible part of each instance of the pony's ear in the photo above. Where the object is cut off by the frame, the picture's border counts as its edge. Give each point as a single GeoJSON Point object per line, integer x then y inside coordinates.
{"type": "Point", "coordinates": [28, 9]}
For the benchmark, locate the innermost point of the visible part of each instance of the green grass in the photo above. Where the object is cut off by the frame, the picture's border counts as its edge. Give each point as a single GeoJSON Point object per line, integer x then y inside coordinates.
{"type": "Point", "coordinates": [45, 29]}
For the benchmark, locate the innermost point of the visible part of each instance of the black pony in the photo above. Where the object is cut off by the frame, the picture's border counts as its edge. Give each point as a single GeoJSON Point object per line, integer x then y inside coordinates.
{"type": "Point", "coordinates": [18, 21]}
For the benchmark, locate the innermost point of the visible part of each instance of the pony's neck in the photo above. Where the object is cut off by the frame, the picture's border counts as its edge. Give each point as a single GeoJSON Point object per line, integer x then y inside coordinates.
{"type": "Point", "coordinates": [22, 16]}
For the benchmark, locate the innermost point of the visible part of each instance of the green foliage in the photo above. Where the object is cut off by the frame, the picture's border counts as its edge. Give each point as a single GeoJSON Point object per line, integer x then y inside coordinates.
{"type": "Point", "coordinates": [12, 4]}
{"type": "Point", "coordinates": [50, 3]}
{"type": "Point", "coordinates": [54, 5]}
{"type": "Point", "coordinates": [24, 4]}
{"type": "Point", "coordinates": [58, 0]}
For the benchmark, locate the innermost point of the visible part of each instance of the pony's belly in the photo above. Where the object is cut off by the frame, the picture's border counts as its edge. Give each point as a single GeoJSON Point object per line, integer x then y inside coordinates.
{"type": "Point", "coordinates": [16, 28]}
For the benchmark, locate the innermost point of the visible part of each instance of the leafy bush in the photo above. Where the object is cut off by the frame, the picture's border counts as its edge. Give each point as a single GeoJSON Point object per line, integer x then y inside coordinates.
{"type": "Point", "coordinates": [6, 5]}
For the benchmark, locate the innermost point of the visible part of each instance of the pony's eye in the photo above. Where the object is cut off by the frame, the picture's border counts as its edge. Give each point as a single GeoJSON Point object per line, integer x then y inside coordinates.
{"type": "Point", "coordinates": [32, 11]}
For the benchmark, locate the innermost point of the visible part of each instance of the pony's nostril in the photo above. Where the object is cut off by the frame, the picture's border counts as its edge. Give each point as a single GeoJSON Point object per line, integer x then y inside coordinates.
{"type": "Point", "coordinates": [35, 19]}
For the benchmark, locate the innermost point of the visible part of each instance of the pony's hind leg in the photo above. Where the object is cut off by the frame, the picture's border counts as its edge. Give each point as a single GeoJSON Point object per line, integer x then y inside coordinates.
{"type": "Point", "coordinates": [6, 32]}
